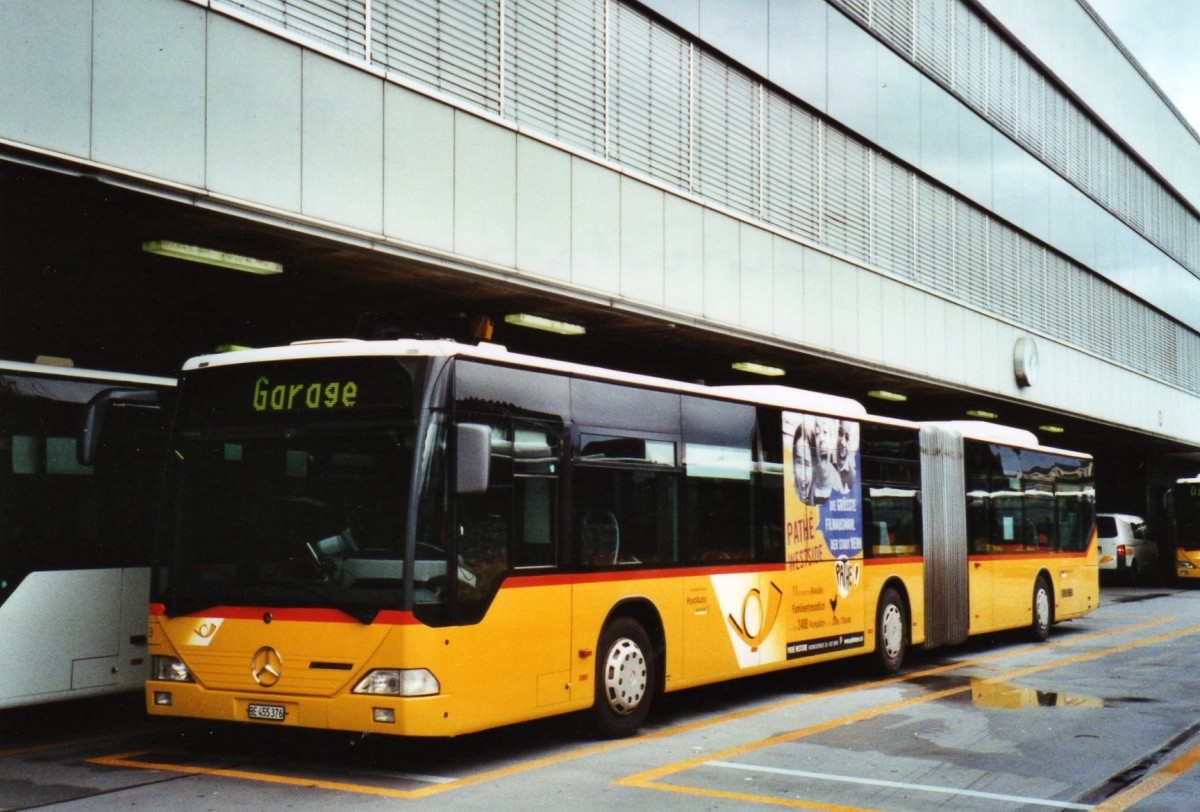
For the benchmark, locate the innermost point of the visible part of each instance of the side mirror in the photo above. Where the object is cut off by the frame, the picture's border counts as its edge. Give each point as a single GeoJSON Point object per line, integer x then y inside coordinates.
{"type": "Point", "coordinates": [97, 411]}
{"type": "Point", "coordinates": [473, 469]}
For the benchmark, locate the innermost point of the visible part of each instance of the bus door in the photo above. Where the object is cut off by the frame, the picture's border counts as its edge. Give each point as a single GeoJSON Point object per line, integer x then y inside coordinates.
{"type": "Point", "coordinates": [625, 523]}
{"type": "Point", "coordinates": [506, 545]}
{"type": "Point", "coordinates": [982, 561]}
{"type": "Point", "coordinates": [733, 605]}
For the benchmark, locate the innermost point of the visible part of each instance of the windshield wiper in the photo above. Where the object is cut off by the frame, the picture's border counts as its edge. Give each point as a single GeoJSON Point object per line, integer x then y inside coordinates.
{"type": "Point", "coordinates": [196, 600]}
{"type": "Point", "coordinates": [363, 614]}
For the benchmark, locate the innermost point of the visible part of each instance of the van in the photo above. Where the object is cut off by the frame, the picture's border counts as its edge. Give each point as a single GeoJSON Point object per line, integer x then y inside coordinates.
{"type": "Point", "coordinates": [1125, 550]}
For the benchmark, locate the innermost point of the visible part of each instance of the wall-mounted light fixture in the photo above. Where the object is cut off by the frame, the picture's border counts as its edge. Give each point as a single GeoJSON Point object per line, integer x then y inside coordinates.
{"type": "Point", "coordinates": [209, 256]}
{"type": "Point", "coordinates": [1052, 429]}
{"type": "Point", "coordinates": [883, 394]}
{"type": "Point", "coordinates": [982, 414]}
{"type": "Point", "coordinates": [541, 323]}
{"type": "Point", "coordinates": [758, 369]}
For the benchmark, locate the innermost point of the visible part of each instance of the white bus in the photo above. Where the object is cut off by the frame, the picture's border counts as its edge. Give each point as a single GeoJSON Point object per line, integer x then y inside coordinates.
{"type": "Point", "coordinates": [77, 508]}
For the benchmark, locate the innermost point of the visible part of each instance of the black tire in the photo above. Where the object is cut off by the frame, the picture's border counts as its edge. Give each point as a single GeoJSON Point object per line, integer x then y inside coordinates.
{"type": "Point", "coordinates": [626, 679]}
{"type": "Point", "coordinates": [1131, 573]}
{"type": "Point", "coordinates": [891, 632]}
{"type": "Point", "coordinates": [1043, 609]}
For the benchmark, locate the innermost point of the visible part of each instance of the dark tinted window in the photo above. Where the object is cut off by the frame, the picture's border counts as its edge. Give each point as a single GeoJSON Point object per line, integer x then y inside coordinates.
{"type": "Point", "coordinates": [719, 452]}
{"type": "Point", "coordinates": [625, 517]}
{"type": "Point", "coordinates": [597, 403]}
{"type": "Point", "coordinates": [891, 491]}
{"type": "Point", "coordinates": [56, 513]}
{"type": "Point", "coordinates": [1021, 500]}
{"type": "Point", "coordinates": [513, 389]}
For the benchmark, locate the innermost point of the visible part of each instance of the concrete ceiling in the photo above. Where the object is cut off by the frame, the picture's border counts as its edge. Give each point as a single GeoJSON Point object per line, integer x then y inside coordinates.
{"type": "Point", "coordinates": [75, 282]}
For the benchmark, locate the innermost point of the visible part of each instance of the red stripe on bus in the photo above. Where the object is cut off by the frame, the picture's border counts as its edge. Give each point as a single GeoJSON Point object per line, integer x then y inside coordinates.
{"type": "Point", "coordinates": [908, 559]}
{"type": "Point", "coordinates": [616, 576]}
{"type": "Point", "coordinates": [389, 617]}
{"type": "Point", "coordinates": [1014, 556]}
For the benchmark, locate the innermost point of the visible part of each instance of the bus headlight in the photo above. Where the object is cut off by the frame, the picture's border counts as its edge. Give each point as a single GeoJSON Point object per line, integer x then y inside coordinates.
{"type": "Point", "coordinates": [169, 669]}
{"type": "Point", "coordinates": [399, 682]}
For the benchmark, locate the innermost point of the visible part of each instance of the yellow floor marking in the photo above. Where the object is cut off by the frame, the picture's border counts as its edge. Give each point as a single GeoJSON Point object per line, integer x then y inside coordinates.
{"type": "Point", "coordinates": [648, 778]}
{"type": "Point", "coordinates": [899, 678]}
{"type": "Point", "coordinates": [129, 760]}
{"type": "Point", "coordinates": [37, 748]}
{"type": "Point", "coordinates": [1151, 783]}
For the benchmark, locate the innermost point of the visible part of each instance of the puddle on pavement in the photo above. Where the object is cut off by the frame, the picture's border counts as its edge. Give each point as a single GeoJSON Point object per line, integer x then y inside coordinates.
{"type": "Point", "coordinates": [1144, 597]}
{"type": "Point", "coordinates": [1004, 696]}
{"type": "Point", "coordinates": [1007, 696]}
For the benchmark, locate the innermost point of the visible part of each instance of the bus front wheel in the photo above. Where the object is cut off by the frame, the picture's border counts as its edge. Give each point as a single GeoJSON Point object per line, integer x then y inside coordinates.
{"type": "Point", "coordinates": [625, 678]}
{"type": "Point", "coordinates": [891, 632]}
{"type": "Point", "coordinates": [1043, 609]}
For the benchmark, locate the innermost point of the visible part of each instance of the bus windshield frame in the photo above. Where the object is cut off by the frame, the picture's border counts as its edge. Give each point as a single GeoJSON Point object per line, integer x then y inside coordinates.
{"type": "Point", "coordinates": [1186, 500]}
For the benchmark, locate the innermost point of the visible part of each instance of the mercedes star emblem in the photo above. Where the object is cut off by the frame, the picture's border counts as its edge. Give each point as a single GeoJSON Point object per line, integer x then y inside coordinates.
{"type": "Point", "coordinates": [266, 666]}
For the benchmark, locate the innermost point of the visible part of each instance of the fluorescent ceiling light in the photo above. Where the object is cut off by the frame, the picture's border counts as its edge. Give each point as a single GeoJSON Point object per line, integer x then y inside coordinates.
{"type": "Point", "coordinates": [541, 323]}
{"type": "Point", "coordinates": [1052, 429]}
{"type": "Point", "coordinates": [209, 256]}
{"type": "Point", "coordinates": [883, 394]}
{"type": "Point", "coordinates": [982, 414]}
{"type": "Point", "coordinates": [758, 369]}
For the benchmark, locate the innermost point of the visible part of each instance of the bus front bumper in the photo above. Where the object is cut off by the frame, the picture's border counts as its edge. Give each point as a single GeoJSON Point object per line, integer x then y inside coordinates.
{"type": "Point", "coordinates": [410, 716]}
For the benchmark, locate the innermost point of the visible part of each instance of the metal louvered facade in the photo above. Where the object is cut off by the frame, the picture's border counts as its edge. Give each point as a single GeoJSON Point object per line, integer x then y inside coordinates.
{"type": "Point", "coordinates": [963, 52]}
{"type": "Point", "coordinates": [615, 81]}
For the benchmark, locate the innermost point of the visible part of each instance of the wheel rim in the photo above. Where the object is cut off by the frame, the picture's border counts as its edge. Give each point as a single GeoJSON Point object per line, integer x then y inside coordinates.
{"type": "Point", "coordinates": [1042, 608]}
{"type": "Point", "coordinates": [625, 679]}
{"type": "Point", "coordinates": [892, 630]}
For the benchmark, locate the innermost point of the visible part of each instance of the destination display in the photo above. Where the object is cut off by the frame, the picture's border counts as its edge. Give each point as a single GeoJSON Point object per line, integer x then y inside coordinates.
{"type": "Point", "coordinates": [309, 389]}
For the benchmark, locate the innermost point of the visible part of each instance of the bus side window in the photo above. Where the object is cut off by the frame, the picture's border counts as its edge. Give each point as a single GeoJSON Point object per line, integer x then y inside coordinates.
{"type": "Point", "coordinates": [625, 516]}
{"type": "Point", "coordinates": [535, 492]}
{"type": "Point", "coordinates": [485, 521]}
{"type": "Point", "coordinates": [719, 498]}
{"type": "Point", "coordinates": [891, 474]}
{"type": "Point", "coordinates": [719, 444]}
{"type": "Point", "coordinates": [514, 523]}
{"type": "Point", "coordinates": [768, 484]}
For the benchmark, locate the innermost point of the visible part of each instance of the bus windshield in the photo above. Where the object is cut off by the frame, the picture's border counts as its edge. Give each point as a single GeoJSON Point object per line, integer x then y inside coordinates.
{"type": "Point", "coordinates": [1187, 514]}
{"type": "Point", "coordinates": [290, 487]}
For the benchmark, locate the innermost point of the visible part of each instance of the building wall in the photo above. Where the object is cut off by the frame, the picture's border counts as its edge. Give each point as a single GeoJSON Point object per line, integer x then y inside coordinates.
{"type": "Point", "coordinates": [472, 167]}
{"type": "Point", "coordinates": [1074, 47]}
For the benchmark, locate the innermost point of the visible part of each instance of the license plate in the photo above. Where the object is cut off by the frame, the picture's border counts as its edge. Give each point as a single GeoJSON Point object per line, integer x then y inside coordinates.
{"type": "Point", "coordinates": [270, 713]}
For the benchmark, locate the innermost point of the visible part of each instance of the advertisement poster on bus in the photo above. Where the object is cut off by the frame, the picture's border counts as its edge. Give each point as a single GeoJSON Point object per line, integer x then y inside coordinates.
{"type": "Point", "coordinates": [823, 534]}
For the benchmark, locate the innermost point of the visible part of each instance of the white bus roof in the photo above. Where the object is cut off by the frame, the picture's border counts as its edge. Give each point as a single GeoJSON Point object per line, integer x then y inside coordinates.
{"type": "Point", "coordinates": [783, 396]}
{"type": "Point", "coordinates": [1003, 435]}
{"type": "Point", "coordinates": [84, 374]}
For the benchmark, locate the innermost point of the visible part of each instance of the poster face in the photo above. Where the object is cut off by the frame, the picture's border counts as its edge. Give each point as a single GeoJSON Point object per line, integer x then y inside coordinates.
{"type": "Point", "coordinates": [823, 533]}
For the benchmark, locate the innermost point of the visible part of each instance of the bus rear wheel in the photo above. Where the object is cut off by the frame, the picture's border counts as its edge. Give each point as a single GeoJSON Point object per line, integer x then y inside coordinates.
{"type": "Point", "coordinates": [891, 632]}
{"type": "Point", "coordinates": [1043, 609]}
{"type": "Point", "coordinates": [625, 679]}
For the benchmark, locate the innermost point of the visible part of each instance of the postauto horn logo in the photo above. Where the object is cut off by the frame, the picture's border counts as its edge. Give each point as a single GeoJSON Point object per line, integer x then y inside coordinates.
{"type": "Point", "coordinates": [757, 620]}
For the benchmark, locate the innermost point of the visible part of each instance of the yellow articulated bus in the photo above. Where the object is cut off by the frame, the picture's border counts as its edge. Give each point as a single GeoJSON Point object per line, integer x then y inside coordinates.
{"type": "Point", "coordinates": [1185, 509]}
{"type": "Point", "coordinates": [427, 539]}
